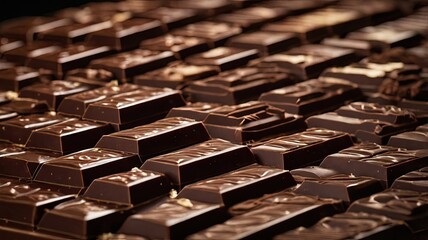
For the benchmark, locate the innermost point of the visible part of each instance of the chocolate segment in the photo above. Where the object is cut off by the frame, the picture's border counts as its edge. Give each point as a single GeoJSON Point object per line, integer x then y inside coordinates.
{"type": "Point", "coordinates": [81, 168]}
{"type": "Point", "coordinates": [128, 188]}
{"type": "Point", "coordinates": [133, 108]}
{"type": "Point", "coordinates": [211, 158]}
{"type": "Point", "coordinates": [380, 162]}
{"type": "Point", "coordinates": [62, 137]}
{"type": "Point", "coordinates": [415, 181]}
{"type": "Point", "coordinates": [239, 185]}
{"type": "Point", "coordinates": [173, 219]}
{"type": "Point", "coordinates": [24, 106]}
{"type": "Point", "coordinates": [238, 85]}
{"type": "Point", "coordinates": [22, 54]}
{"type": "Point", "coordinates": [16, 78]}
{"type": "Point", "coordinates": [97, 77]}
{"type": "Point", "coordinates": [7, 44]}
{"type": "Point", "coordinates": [407, 206]}
{"type": "Point", "coordinates": [24, 234]}
{"type": "Point", "coordinates": [290, 152]}
{"type": "Point", "coordinates": [417, 139]}
{"type": "Point", "coordinates": [126, 35]}
{"type": "Point", "coordinates": [53, 92]}
{"type": "Point", "coordinates": [26, 203]}
{"type": "Point", "coordinates": [353, 226]}
{"type": "Point", "coordinates": [129, 64]}
{"type": "Point", "coordinates": [172, 17]}
{"type": "Point", "coordinates": [76, 104]}
{"type": "Point", "coordinates": [251, 121]}
{"type": "Point", "coordinates": [224, 58]}
{"type": "Point", "coordinates": [206, 8]}
{"type": "Point", "coordinates": [83, 219]}
{"type": "Point", "coordinates": [313, 96]}
{"type": "Point", "coordinates": [312, 172]}
{"type": "Point", "coordinates": [173, 133]}
{"type": "Point", "coordinates": [72, 57]}
{"type": "Point", "coordinates": [197, 111]}
{"type": "Point", "coordinates": [181, 46]}
{"type": "Point", "coordinates": [18, 130]}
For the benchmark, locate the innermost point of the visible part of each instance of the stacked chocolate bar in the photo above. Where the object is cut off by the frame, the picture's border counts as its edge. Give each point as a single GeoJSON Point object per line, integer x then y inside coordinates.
{"type": "Point", "coordinates": [226, 119]}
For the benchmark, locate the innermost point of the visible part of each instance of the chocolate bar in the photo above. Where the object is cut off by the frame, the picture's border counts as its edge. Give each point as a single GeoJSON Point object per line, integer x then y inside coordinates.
{"type": "Point", "coordinates": [69, 58]}
{"type": "Point", "coordinates": [251, 121]}
{"type": "Point", "coordinates": [96, 77]}
{"type": "Point", "coordinates": [351, 225]}
{"type": "Point", "coordinates": [238, 85]}
{"type": "Point", "coordinates": [21, 55]}
{"type": "Point", "coordinates": [238, 185]}
{"type": "Point", "coordinates": [215, 33]}
{"type": "Point", "coordinates": [341, 186]}
{"type": "Point", "coordinates": [271, 215]}
{"type": "Point", "coordinates": [125, 35]}
{"type": "Point", "coordinates": [173, 219]}
{"type": "Point", "coordinates": [24, 106]}
{"type": "Point", "coordinates": [401, 205]}
{"type": "Point", "coordinates": [266, 43]}
{"type": "Point", "coordinates": [23, 164]}
{"type": "Point", "coordinates": [309, 61]}
{"type": "Point", "coordinates": [76, 104]}
{"type": "Point", "coordinates": [415, 181]}
{"type": "Point", "coordinates": [133, 108]}
{"type": "Point", "coordinates": [312, 172]}
{"type": "Point", "coordinates": [130, 188]}
{"type": "Point", "coordinates": [26, 203]}
{"type": "Point", "coordinates": [197, 111]}
{"type": "Point", "coordinates": [16, 78]}
{"type": "Point", "coordinates": [313, 96]}
{"type": "Point", "coordinates": [224, 58]}
{"type": "Point", "coordinates": [362, 48]}
{"type": "Point", "coordinates": [173, 133]}
{"type": "Point", "coordinates": [367, 121]}
{"type": "Point", "coordinates": [7, 44]}
{"type": "Point", "coordinates": [83, 219]}
{"type": "Point", "coordinates": [417, 139]}
{"type": "Point", "coordinates": [53, 92]}
{"type": "Point", "coordinates": [9, 232]}
{"type": "Point", "coordinates": [129, 64]}
{"type": "Point", "coordinates": [181, 46]}
{"type": "Point", "coordinates": [18, 130]}
{"type": "Point", "coordinates": [381, 162]}
{"type": "Point", "coordinates": [78, 170]}
{"type": "Point", "coordinates": [211, 158]}
{"type": "Point", "coordinates": [175, 75]}
{"type": "Point", "coordinates": [62, 137]}
{"type": "Point", "coordinates": [290, 152]}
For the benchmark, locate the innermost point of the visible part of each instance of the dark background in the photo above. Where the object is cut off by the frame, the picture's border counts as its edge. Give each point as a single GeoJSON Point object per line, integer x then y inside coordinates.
{"type": "Point", "coordinates": [19, 8]}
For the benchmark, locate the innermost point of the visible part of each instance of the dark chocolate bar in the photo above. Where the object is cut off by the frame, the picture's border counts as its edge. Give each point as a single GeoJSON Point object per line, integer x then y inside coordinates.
{"type": "Point", "coordinates": [24, 106]}
{"type": "Point", "coordinates": [238, 185]}
{"type": "Point", "coordinates": [76, 104]}
{"type": "Point", "coordinates": [351, 226]}
{"type": "Point", "coordinates": [181, 46]}
{"type": "Point", "coordinates": [270, 215]}
{"type": "Point", "coordinates": [131, 188]}
{"type": "Point", "coordinates": [224, 58]}
{"type": "Point", "coordinates": [197, 111]}
{"type": "Point", "coordinates": [402, 205]}
{"type": "Point", "coordinates": [53, 92]}
{"type": "Point", "coordinates": [134, 108]}
{"type": "Point", "coordinates": [251, 121]}
{"type": "Point", "coordinates": [18, 130]}
{"type": "Point", "coordinates": [78, 170]}
{"type": "Point", "coordinates": [175, 75]}
{"type": "Point", "coordinates": [341, 186]}
{"type": "Point", "coordinates": [14, 79]}
{"type": "Point", "coordinates": [381, 162]}
{"type": "Point", "coordinates": [25, 203]}
{"type": "Point", "coordinates": [83, 219]}
{"type": "Point", "coordinates": [417, 139]}
{"type": "Point", "coordinates": [174, 133]}
{"type": "Point", "coordinates": [290, 152]}
{"type": "Point", "coordinates": [69, 58]}
{"type": "Point", "coordinates": [215, 33]}
{"type": "Point", "coordinates": [125, 35]}
{"type": "Point", "coordinates": [22, 54]}
{"type": "Point", "coordinates": [238, 85]}
{"type": "Point", "coordinates": [313, 96]}
{"type": "Point", "coordinates": [211, 158]}
{"type": "Point", "coordinates": [312, 172]}
{"type": "Point", "coordinates": [415, 181]}
{"type": "Point", "coordinates": [129, 64]}
{"type": "Point", "coordinates": [173, 219]}
{"type": "Point", "coordinates": [63, 137]}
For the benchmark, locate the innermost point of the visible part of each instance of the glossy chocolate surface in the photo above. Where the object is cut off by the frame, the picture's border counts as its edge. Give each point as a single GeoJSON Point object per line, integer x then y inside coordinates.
{"type": "Point", "coordinates": [174, 133]}
{"type": "Point", "coordinates": [211, 158]}
{"type": "Point", "coordinates": [22, 54]}
{"type": "Point", "coordinates": [415, 181]}
{"type": "Point", "coordinates": [24, 106]}
{"type": "Point", "coordinates": [417, 139]}
{"type": "Point", "coordinates": [290, 152]}
{"type": "Point", "coordinates": [197, 111]}
{"type": "Point", "coordinates": [16, 78]}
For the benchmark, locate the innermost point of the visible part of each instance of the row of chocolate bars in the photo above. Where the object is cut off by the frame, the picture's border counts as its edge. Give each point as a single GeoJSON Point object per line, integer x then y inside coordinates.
{"type": "Point", "coordinates": [216, 119]}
